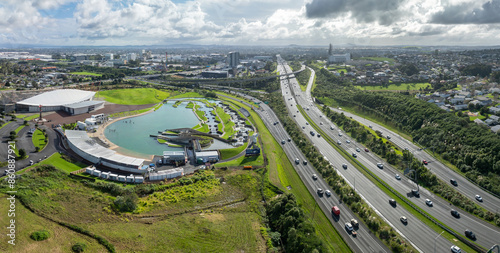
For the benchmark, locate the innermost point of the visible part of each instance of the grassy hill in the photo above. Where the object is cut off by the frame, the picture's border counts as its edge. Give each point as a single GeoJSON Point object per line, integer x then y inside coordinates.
{"type": "Point", "coordinates": [139, 96]}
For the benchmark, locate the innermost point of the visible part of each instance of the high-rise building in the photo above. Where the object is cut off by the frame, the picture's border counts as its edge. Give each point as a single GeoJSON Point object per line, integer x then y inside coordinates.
{"type": "Point", "coordinates": [131, 56]}
{"type": "Point", "coordinates": [108, 56]}
{"type": "Point", "coordinates": [233, 59]}
{"type": "Point", "coordinates": [330, 49]}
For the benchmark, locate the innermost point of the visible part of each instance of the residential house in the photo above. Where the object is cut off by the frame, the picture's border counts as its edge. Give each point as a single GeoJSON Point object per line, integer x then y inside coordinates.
{"type": "Point", "coordinates": [490, 122]}
{"type": "Point", "coordinates": [484, 100]}
{"type": "Point", "coordinates": [457, 99]}
{"type": "Point", "coordinates": [479, 122]}
{"type": "Point", "coordinates": [494, 110]}
{"type": "Point", "coordinates": [496, 129]}
{"type": "Point", "coordinates": [495, 118]}
{"type": "Point", "coordinates": [460, 107]}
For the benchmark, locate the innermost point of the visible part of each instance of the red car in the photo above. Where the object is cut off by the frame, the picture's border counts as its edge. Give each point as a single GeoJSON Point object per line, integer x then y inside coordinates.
{"type": "Point", "coordinates": [366, 150]}
{"type": "Point", "coordinates": [425, 162]}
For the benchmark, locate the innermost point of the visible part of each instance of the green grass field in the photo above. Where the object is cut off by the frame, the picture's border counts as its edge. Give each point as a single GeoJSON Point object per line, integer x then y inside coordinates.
{"type": "Point", "coordinates": [57, 161]}
{"type": "Point", "coordinates": [38, 139]}
{"type": "Point", "coordinates": [85, 74]}
{"type": "Point", "coordinates": [390, 60]}
{"type": "Point", "coordinates": [19, 129]}
{"type": "Point", "coordinates": [187, 95]}
{"type": "Point", "coordinates": [138, 96]}
{"type": "Point", "coordinates": [202, 128]}
{"type": "Point", "coordinates": [20, 116]}
{"type": "Point", "coordinates": [403, 86]}
{"type": "Point", "coordinates": [231, 152]}
{"type": "Point", "coordinates": [31, 117]}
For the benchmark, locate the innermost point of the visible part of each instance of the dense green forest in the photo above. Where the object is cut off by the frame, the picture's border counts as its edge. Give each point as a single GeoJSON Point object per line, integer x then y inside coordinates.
{"type": "Point", "coordinates": [290, 227]}
{"type": "Point", "coordinates": [473, 149]}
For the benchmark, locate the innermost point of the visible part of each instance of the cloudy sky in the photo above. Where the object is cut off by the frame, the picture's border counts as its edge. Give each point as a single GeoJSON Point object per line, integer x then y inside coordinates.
{"type": "Point", "coordinates": [250, 22]}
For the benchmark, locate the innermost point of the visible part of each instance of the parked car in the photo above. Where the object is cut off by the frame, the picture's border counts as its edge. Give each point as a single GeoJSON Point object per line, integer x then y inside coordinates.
{"type": "Point", "coordinates": [470, 234]}
{"type": "Point", "coordinates": [479, 198]}
{"type": "Point", "coordinates": [455, 213]}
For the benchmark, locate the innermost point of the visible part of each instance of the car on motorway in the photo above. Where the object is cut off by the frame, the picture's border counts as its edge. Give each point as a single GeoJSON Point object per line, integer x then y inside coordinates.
{"type": "Point", "coordinates": [392, 202]}
{"type": "Point", "coordinates": [328, 193]}
{"type": "Point", "coordinates": [283, 142]}
{"type": "Point", "coordinates": [428, 202]}
{"type": "Point", "coordinates": [297, 161]}
{"type": "Point", "coordinates": [304, 162]}
{"type": "Point", "coordinates": [470, 234]}
{"type": "Point", "coordinates": [340, 134]}
{"type": "Point", "coordinates": [332, 128]}
{"type": "Point", "coordinates": [297, 111]}
{"type": "Point", "coordinates": [348, 227]}
{"type": "Point", "coordinates": [336, 210]}
{"type": "Point", "coordinates": [289, 140]}
{"type": "Point", "coordinates": [354, 223]}
{"type": "Point", "coordinates": [31, 162]}
{"type": "Point", "coordinates": [348, 141]}
{"type": "Point", "coordinates": [388, 137]}
{"type": "Point", "coordinates": [370, 126]}
{"type": "Point", "coordinates": [312, 133]}
{"type": "Point", "coordinates": [366, 150]}
{"type": "Point", "coordinates": [315, 177]}
{"type": "Point", "coordinates": [398, 177]}
{"type": "Point", "coordinates": [403, 219]}
{"type": "Point", "coordinates": [455, 249]}
{"type": "Point", "coordinates": [357, 149]}
{"type": "Point", "coordinates": [380, 165]}
{"type": "Point", "coordinates": [303, 127]}
{"type": "Point", "coordinates": [294, 115]}
{"type": "Point", "coordinates": [320, 191]}
{"type": "Point", "coordinates": [415, 192]}
{"type": "Point", "coordinates": [339, 142]}
{"type": "Point", "coordinates": [319, 135]}
{"type": "Point", "coordinates": [321, 123]}
{"type": "Point", "coordinates": [354, 155]}
{"type": "Point", "coordinates": [321, 116]}
{"type": "Point", "coordinates": [425, 162]}
{"type": "Point", "coordinates": [455, 213]}
{"type": "Point", "coordinates": [478, 198]}
{"type": "Point", "coordinates": [453, 182]}
{"type": "Point", "coordinates": [344, 166]}
{"type": "Point", "coordinates": [307, 123]}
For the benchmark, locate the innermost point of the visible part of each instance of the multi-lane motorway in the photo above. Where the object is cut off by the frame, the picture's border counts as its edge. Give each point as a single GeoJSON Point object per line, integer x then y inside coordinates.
{"type": "Point", "coordinates": [464, 186]}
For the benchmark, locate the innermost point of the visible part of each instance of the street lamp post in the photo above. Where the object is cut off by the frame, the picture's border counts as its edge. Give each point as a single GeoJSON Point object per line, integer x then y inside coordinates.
{"type": "Point", "coordinates": [435, 239]}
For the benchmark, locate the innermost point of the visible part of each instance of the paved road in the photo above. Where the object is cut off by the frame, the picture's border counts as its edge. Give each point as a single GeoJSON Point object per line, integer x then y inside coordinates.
{"type": "Point", "coordinates": [365, 241]}
{"type": "Point", "coordinates": [465, 187]}
{"type": "Point", "coordinates": [416, 231]}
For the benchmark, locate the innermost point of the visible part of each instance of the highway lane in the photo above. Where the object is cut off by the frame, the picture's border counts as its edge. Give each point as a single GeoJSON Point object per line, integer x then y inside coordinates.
{"type": "Point", "coordinates": [464, 186]}
{"type": "Point", "coordinates": [365, 241]}
{"type": "Point", "coordinates": [487, 234]}
{"type": "Point", "coordinates": [373, 194]}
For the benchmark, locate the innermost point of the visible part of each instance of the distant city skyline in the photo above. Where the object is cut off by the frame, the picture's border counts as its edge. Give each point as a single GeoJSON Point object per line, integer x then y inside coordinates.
{"type": "Point", "coordinates": [243, 22]}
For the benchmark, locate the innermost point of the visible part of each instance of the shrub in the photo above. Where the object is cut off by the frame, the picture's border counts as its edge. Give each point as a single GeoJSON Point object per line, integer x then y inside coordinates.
{"type": "Point", "coordinates": [40, 235]}
{"type": "Point", "coordinates": [79, 247]}
{"type": "Point", "coordinates": [127, 203]}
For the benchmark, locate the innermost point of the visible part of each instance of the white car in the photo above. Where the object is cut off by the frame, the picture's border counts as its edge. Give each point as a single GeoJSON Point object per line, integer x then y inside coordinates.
{"type": "Point", "coordinates": [348, 141]}
{"type": "Point", "coordinates": [428, 202]}
{"type": "Point", "coordinates": [348, 226]}
{"type": "Point", "coordinates": [479, 198]}
{"type": "Point", "coordinates": [398, 177]}
{"type": "Point", "coordinates": [328, 193]}
{"type": "Point", "coordinates": [455, 249]}
{"type": "Point", "coordinates": [357, 149]}
{"type": "Point", "coordinates": [314, 176]}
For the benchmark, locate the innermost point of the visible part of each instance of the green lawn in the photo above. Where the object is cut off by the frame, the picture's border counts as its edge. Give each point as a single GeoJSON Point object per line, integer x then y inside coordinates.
{"type": "Point", "coordinates": [402, 86]}
{"type": "Point", "coordinates": [57, 161]}
{"type": "Point", "coordinates": [85, 74]}
{"type": "Point", "coordinates": [231, 152]}
{"type": "Point", "coordinates": [202, 128]}
{"type": "Point", "coordinates": [20, 116]}
{"type": "Point", "coordinates": [190, 105]}
{"type": "Point", "coordinates": [139, 96]}
{"type": "Point", "coordinates": [38, 139]}
{"type": "Point", "coordinates": [390, 60]}
{"type": "Point", "coordinates": [187, 95]}
{"type": "Point", "coordinates": [31, 117]}
{"type": "Point", "coordinates": [5, 124]}
{"type": "Point", "coordinates": [19, 129]}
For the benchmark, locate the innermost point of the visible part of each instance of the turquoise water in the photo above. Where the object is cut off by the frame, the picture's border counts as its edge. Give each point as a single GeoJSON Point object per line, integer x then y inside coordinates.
{"type": "Point", "coordinates": [132, 134]}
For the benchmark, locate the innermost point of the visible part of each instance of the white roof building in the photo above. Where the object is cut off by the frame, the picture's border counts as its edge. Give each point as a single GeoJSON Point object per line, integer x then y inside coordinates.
{"type": "Point", "coordinates": [59, 98]}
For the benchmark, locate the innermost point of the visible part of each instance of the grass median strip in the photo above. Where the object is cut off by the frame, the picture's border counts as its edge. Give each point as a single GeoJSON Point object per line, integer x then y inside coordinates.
{"type": "Point", "coordinates": [389, 191]}
{"type": "Point", "coordinates": [280, 167]}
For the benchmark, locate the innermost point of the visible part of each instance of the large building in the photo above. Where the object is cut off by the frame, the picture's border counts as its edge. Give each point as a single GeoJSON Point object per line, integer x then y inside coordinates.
{"type": "Point", "coordinates": [233, 59]}
{"type": "Point", "coordinates": [339, 58]}
{"type": "Point", "coordinates": [88, 149]}
{"type": "Point", "coordinates": [214, 74]}
{"type": "Point", "coordinates": [70, 100]}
